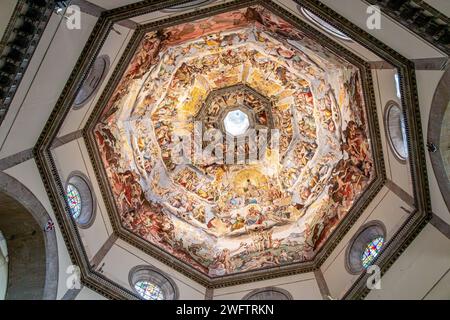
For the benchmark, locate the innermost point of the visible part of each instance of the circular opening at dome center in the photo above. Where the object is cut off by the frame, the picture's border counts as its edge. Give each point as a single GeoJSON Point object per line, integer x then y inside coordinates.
{"type": "Point", "coordinates": [236, 123]}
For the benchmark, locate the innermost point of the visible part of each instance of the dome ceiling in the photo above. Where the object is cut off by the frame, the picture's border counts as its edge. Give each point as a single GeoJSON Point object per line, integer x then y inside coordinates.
{"type": "Point", "coordinates": [226, 209]}
{"type": "Point", "coordinates": [237, 207]}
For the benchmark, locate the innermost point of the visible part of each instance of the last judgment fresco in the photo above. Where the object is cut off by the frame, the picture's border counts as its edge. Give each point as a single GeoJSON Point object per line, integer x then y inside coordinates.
{"type": "Point", "coordinates": [226, 217]}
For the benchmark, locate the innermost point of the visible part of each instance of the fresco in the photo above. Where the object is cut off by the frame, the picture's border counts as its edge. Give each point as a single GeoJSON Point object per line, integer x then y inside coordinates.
{"type": "Point", "coordinates": [224, 219]}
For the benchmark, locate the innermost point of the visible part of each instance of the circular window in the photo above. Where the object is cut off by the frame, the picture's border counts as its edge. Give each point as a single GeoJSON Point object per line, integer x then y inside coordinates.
{"type": "Point", "coordinates": [92, 82]}
{"type": "Point", "coordinates": [80, 199]}
{"type": "Point", "coordinates": [270, 293]}
{"type": "Point", "coordinates": [323, 24]}
{"type": "Point", "coordinates": [152, 284]}
{"type": "Point", "coordinates": [365, 247]}
{"type": "Point", "coordinates": [395, 126]}
{"type": "Point", "coordinates": [188, 5]}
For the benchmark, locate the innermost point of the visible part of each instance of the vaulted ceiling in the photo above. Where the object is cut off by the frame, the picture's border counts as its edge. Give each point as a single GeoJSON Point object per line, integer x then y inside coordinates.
{"type": "Point", "coordinates": [230, 67]}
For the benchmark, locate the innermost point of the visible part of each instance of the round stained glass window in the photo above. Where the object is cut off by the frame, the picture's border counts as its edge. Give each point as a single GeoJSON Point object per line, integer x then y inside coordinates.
{"type": "Point", "coordinates": [73, 200]}
{"type": "Point", "coordinates": [148, 290]}
{"type": "Point", "coordinates": [80, 199]}
{"type": "Point", "coordinates": [365, 247]}
{"type": "Point", "coordinates": [236, 123]}
{"type": "Point", "coordinates": [371, 251]}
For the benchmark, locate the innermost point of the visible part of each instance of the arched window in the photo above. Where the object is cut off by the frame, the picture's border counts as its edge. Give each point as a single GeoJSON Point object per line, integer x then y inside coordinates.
{"type": "Point", "coordinates": [316, 20]}
{"type": "Point", "coordinates": [92, 81]}
{"type": "Point", "coordinates": [80, 199]}
{"type": "Point", "coordinates": [395, 127]}
{"type": "Point", "coordinates": [270, 293]}
{"type": "Point", "coordinates": [151, 283]}
{"type": "Point", "coordinates": [365, 247]}
{"type": "Point", "coordinates": [187, 5]}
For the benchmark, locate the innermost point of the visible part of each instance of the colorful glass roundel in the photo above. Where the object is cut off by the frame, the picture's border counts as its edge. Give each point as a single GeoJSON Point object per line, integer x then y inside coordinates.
{"type": "Point", "coordinates": [372, 250]}
{"type": "Point", "coordinates": [74, 201]}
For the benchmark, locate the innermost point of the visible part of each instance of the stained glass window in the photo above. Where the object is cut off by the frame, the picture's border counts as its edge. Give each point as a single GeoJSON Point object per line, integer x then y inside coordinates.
{"type": "Point", "coordinates": [371, 252]}
{"type": "Point", "coordinates": [148, 290]}
{"type": "Point", "coordinates": [74, 201]}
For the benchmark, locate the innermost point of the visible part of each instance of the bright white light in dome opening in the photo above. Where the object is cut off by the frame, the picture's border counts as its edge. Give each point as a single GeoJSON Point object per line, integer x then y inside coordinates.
{"type": "Point", "coordinates": [236, 123]}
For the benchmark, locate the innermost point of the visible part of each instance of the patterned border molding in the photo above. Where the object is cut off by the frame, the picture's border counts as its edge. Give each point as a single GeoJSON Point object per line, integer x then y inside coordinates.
{"type": "Point", "coordinates": [399, 241]}
{"type": "Point", "coordinates": [18, 46]}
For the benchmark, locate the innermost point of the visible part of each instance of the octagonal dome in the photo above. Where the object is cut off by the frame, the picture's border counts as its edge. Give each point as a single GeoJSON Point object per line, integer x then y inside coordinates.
{"type": "Point", "coordinates": [223, 217]}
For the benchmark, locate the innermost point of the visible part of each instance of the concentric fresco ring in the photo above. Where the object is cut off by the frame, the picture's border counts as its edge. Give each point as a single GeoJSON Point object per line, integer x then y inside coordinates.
{"type": "Point", "coordinates": [224, 214]}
